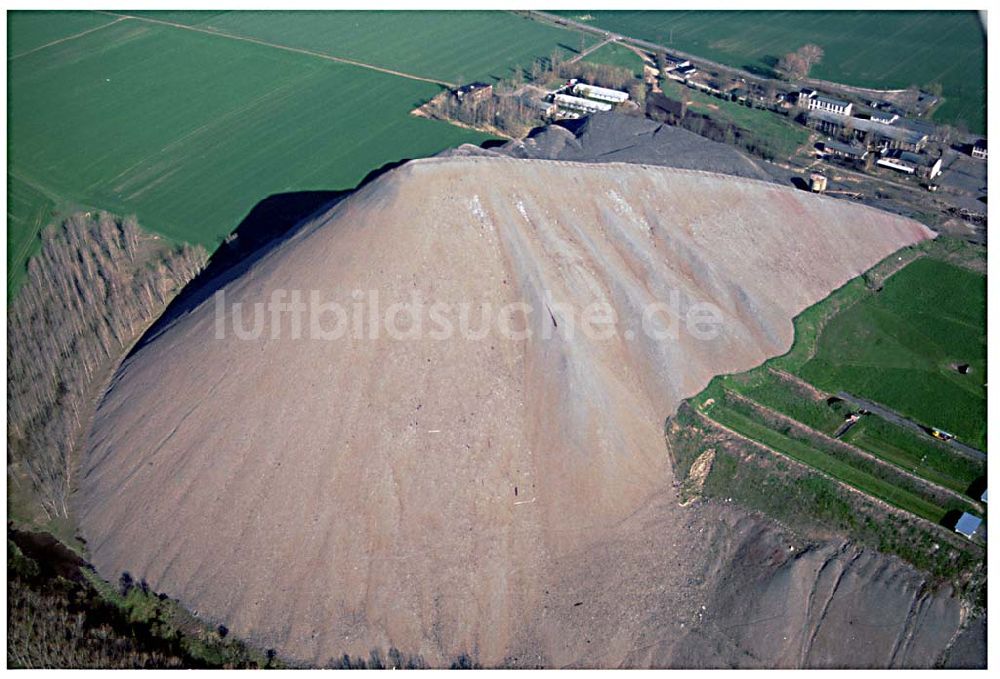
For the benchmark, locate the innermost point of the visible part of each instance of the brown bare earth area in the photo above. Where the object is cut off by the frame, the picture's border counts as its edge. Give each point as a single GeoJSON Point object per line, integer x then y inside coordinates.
{"type": "Point", "coordinates": [506, 498]}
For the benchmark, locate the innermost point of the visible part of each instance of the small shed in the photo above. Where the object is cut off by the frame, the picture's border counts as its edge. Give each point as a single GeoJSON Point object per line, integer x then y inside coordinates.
{"type": "Point", "coordinates": [476, 91]}
{"type": "Point", "coordinates": [968, 524]}
{"type": "Point", "coordinates": [543, 108]}
{"type": "Point", "coordinates": [849, 151]}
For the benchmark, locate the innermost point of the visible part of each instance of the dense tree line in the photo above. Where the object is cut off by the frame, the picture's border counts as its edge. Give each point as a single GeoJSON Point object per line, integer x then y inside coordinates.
{"type": "Point", "coordinates": [96, 284]}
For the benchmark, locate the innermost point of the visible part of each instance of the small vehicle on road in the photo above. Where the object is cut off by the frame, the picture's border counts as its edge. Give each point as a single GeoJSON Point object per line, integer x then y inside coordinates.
{"type": "Point", "coordinates": [941, 434]}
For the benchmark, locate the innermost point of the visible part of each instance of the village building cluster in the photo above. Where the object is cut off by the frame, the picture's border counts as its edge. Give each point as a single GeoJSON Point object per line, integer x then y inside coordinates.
{"type": "Point", "coordinates": [574, 99]}
{"type": "Point", "coordinates": [863, 134]}
{"type": "Point", "coordinates": [867, 135]}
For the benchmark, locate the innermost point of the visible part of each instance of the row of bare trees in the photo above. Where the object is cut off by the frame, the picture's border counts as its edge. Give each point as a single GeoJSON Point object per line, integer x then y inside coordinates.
{"type": "Point", "coordinates": [504, 111]}
{"type": "Point", "coordinates": [547, 70]}
{"type": "Point", "coordinates": [602, 75]}
{"type": "Point", "coordinates": [96, 284]}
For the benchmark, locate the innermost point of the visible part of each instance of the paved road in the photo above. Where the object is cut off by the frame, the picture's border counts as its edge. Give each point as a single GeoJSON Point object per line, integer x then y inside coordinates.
{"type": "Point", "coordinates": [896, 418]}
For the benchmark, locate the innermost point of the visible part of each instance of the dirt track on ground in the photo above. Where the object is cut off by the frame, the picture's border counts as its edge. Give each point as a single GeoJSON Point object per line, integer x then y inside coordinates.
{"type": "Point", "coordinates": [286, 48]}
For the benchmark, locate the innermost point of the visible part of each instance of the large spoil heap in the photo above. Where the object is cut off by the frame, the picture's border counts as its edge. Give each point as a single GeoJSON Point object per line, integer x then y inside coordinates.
{"type": "Point", "coordinates": [506, 497]}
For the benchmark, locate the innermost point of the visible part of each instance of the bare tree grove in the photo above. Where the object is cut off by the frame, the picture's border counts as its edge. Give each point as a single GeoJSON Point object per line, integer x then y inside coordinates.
{"type": "Point", "coordinates": [602, 75]}
{"type": "Point", "coordinates": [96, 284]}
{"type": "Point", "coordinates": [796, 65]}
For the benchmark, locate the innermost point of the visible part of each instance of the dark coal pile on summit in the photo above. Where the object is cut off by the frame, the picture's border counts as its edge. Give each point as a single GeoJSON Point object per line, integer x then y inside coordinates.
{"type": "Point", "coordinates": [618, 138]}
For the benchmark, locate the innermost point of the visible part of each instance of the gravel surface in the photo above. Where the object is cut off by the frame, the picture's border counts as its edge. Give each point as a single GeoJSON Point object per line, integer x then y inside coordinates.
{"type": "Point", "coordinates": [618, 138]}
{"type": "Point", "coordinates": [508, 498]}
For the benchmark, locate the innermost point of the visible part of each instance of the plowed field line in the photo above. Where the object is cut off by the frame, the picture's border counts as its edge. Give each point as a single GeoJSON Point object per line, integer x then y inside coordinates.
{"type": "Point", "coordinates": [67, 38]}
{"type": "Point", "coordinates": [296, 50]}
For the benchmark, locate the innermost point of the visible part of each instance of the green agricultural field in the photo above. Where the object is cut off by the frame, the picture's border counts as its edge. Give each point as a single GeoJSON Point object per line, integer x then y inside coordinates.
{"type": "Point", "coordinates": [897, 347]}
{"type": "Point", "coordinates": [449, 46]}
{"type": "Point", "coordinates": [189, 130]}
{"type": "Point", "coordinates": [27, 31]}
{"type": "Point", "coordinates": [765, 388]}
{"type": "Point", "coordinates": [29, 210]}
{"type": "Point", "coordinates": [614, 54]}
{"type": "Point", "coordinates": [884, 50]}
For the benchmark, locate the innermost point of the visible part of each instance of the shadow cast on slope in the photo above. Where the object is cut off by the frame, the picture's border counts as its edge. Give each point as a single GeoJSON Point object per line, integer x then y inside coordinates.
{"type": "Point", "coordinates": [269, 223]}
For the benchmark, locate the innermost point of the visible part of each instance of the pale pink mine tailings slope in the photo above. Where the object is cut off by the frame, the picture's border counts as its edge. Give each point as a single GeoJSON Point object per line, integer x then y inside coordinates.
{"type": "Point", "coordinates": [323, 497]}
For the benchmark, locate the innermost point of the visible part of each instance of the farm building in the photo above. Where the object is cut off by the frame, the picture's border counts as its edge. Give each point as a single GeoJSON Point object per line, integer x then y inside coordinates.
{"type": "Point", "coordinates": [866, 131]}
{"type": "Point", "coordinates": [919, 164]}
{"type": "Point", "coordinates": [477, 91]}
{"type": "Point", "coordinates": [921, 126]}
{"type": "Point", "coordinates": [675, 62]}
{"type": "Point", "coordinates": [852, 151]}
{"type": "Point", "coordinates": [599, 93]}
{"type": "Point", "coordinates": [803, 96]}
{"type": "Point", "coordinates": [818, 102]}
{"type": "Point", "coordinates": [884, 117]}
{"type": "Point", "coordinates": [968, 524]}
{"type": "Point", "coordinates": [580, 104]}
{"type": "Point", "coordinates": [979, 149]}
{"type": "Point", "coordinates": [544, 108]}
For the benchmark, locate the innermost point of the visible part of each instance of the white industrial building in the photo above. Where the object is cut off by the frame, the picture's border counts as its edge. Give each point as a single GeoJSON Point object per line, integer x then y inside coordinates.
{"type": "Point", "coordinates": [818, 102]}
{"type": "Point", "coordinates": [580, 104]}
{"type": "Point", "coordinates": [919, 164]}
{"type": "Point", "coordinates": [599, 93]}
